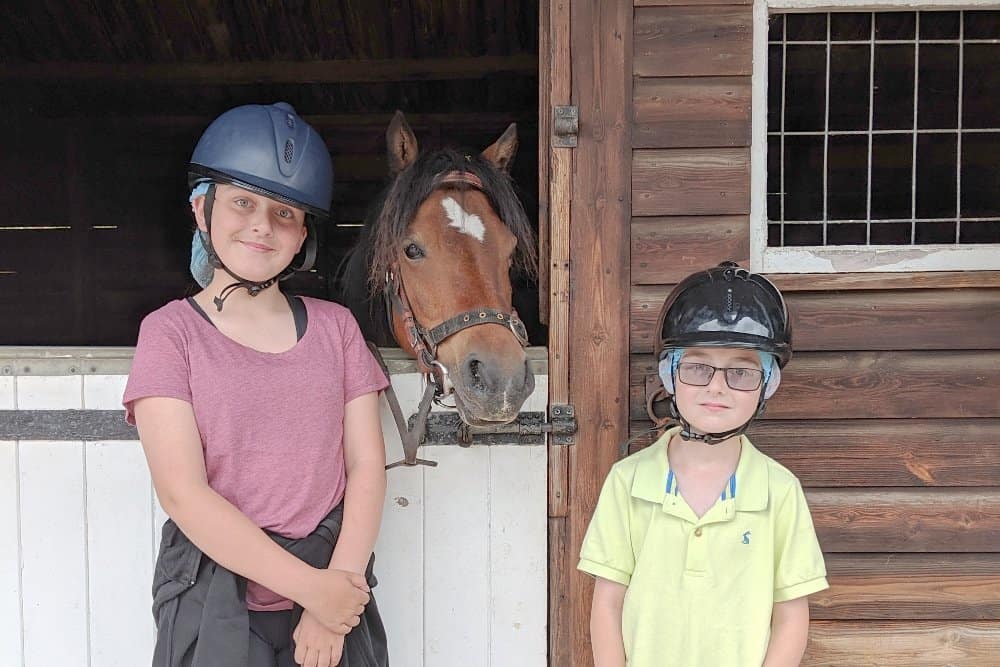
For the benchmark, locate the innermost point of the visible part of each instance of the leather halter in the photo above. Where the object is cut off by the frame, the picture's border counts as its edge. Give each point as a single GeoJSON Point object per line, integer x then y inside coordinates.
{"type": "Point", "coordinates": [424, 341]}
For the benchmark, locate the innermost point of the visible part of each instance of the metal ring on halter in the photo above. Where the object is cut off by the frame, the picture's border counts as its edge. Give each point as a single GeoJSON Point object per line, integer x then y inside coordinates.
{"type": "Point", "coordinates": [517, 328]}
{"type": "Point", "coordinates": [446, 386]}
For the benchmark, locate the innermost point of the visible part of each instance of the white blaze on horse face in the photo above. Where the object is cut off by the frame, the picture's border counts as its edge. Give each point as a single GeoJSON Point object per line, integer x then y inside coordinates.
{"type": "Point", "coordinates": [462, 220]}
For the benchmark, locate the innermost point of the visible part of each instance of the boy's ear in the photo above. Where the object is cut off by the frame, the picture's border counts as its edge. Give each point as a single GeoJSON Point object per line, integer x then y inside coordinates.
{"type": "Point", "coordinates": [772, 382]}
{"type": "Point", "coordinates": [666, 372]}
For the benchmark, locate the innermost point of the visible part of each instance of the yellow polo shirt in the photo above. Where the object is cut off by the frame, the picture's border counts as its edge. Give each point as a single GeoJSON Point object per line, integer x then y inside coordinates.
{"type": "Point", "coordinates": [700, 591]}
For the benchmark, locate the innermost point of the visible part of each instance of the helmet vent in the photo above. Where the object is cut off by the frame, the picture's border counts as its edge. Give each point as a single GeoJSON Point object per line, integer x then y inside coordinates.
{"type": "Point", "coordinates": [289, 151]}
{"type": "Point", "coordinates": [730, 314]}
{"type": "Point", "coordinates": [290, 121]}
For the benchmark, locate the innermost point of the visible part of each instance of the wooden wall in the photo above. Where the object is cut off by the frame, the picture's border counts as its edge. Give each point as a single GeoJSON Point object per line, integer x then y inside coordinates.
{"type": "Point", "coordinates": [889, 411]}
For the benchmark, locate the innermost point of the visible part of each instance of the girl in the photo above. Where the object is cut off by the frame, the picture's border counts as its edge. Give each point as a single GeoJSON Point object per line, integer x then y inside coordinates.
{"type": "Point", "coordinates": [258, 415]}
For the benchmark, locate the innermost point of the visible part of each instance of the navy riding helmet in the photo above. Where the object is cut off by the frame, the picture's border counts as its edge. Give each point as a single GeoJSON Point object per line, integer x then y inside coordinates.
{"type": "Point", "coordinates": [269, 150]}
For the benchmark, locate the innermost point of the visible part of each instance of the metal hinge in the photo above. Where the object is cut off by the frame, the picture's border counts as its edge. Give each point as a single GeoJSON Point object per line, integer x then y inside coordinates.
{"type": "Point", "coordinates": [565, 126]}
{"type": "Point", "coordinates": [447, 428]}
{"type": "Point", "coordinates": [562, 423]}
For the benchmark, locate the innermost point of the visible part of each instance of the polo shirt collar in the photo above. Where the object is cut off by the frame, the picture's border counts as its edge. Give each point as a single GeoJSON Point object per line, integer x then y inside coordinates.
{"type": "Point", "coordinates": [652, 469]}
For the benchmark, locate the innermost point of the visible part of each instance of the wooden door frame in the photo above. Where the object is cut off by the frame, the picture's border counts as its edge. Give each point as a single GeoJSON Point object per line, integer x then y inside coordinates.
{"type": "Point", "coordinates": [585, 59]}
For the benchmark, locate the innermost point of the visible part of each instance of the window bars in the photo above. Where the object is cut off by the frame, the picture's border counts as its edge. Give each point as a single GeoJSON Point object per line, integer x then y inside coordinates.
{"type": "Point", "coordinates": [883, 128]}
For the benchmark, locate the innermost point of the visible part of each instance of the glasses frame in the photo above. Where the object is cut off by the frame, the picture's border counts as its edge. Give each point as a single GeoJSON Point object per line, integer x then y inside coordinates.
{"type": "Point", "coordinates": [716, 369]}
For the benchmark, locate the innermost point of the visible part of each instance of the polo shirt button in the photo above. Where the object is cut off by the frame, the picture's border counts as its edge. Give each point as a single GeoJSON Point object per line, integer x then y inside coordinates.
{"type": "Point", "coordinates": [697, 532]}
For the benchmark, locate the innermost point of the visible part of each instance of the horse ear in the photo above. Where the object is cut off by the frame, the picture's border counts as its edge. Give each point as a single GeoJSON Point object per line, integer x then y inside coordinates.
{"type": "Point", "coordinates": [402, 144]}
{"type": "Point", "coordinates": [501, 153]}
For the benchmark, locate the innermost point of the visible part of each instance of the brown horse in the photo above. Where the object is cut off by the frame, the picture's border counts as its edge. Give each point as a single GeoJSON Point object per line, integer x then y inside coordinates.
{"type": "Point", "coordinates": [433, 263]}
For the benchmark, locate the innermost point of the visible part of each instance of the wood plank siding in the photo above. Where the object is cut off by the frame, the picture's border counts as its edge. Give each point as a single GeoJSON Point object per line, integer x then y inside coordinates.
{"type": "Point", "coordinates": [889, 412]}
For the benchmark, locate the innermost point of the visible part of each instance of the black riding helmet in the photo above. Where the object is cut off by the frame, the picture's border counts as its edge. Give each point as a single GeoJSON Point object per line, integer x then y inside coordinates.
{"type": "Point", "coordinates": [725, 306]}
{"type": "Point", "coordinates": [269, 150]}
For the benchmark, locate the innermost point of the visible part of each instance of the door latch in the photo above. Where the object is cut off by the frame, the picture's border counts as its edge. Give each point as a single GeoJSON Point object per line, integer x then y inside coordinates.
{"type": "Point", "coordinates": [447, 428]}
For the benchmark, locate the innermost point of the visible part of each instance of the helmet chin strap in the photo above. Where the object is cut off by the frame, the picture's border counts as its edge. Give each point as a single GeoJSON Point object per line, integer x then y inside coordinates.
{"type": "Point", "coordinates": [253, 288]}
{"type": "Point", "coordinates": [713, 438]}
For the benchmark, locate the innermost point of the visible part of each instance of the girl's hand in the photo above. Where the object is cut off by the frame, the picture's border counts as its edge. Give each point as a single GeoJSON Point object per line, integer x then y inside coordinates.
{"type": "Point", "coordinates": [338, 599]}
{"type": "Point", "coordinates": [315, 644]}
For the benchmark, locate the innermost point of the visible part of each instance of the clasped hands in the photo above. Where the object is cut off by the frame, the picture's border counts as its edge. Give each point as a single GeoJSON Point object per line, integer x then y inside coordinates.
{"type": "Point", "coordinates": [331, 611]}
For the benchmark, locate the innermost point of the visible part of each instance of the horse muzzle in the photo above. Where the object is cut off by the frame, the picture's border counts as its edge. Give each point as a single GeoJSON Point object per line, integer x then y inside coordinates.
{"type": "Point", "coordinates": [487, 391]}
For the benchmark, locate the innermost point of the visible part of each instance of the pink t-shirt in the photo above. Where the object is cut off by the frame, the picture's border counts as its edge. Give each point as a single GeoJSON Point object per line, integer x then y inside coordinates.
{"type": "Point", "coordinates": [271, 424]}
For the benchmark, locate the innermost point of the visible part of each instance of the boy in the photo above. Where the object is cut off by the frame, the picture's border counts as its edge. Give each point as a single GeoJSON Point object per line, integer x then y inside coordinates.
{"type": "Point", "coordinates": [703, 548]}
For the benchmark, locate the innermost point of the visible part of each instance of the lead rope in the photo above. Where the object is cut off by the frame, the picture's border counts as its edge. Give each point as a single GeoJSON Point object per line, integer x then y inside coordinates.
{"type": "Point", "coordinates": [410, 437]}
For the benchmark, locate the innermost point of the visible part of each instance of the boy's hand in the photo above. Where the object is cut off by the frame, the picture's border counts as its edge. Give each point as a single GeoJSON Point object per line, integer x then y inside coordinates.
{"type": "Point", "coordinates": [315, 644]}
{"type": "Point", "coordinates": [339, 599]}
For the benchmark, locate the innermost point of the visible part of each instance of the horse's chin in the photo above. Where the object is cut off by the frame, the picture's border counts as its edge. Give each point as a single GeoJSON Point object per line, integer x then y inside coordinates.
{"type": "Point", "coordinates": [474, 415]}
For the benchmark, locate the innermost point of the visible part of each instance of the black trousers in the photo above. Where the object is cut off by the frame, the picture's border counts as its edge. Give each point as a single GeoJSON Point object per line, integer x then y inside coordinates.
{"type": "Point", "coordinates": [271, 639]}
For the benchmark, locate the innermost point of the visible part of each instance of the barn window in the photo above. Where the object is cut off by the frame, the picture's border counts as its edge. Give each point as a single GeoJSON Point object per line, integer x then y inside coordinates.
{"type": "Point", "coordinates": [883, 133]}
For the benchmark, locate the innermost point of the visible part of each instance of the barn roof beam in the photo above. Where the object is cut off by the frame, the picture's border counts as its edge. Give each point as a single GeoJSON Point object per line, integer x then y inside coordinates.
{"type": "Point", "coordinates": [259, 72]}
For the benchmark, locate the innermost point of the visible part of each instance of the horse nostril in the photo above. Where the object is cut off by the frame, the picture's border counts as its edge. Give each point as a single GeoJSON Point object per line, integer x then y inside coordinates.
{"type": "Point", "coordinates": [474, 369]}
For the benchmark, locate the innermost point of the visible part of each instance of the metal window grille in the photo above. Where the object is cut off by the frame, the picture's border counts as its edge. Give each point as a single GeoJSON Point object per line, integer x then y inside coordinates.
{"type": "Point", "coordinates": [883, 128]}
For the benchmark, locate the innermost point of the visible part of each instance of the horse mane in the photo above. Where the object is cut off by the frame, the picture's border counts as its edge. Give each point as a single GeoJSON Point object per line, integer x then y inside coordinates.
{"type": "Point", "coordinates": [390, 215]}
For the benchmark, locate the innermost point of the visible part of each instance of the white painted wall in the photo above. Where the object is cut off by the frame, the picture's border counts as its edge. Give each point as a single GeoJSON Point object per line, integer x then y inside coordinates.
{"type": "Point", "coordinates": [461, 559]}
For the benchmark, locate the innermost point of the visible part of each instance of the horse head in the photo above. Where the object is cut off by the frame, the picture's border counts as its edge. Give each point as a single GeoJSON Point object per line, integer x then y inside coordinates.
{"type": "Point", "coordinates": [440, 248]}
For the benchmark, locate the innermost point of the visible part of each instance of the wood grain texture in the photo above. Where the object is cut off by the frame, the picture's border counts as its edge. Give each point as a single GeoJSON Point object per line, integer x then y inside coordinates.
{"type": "Point", "coordinates": [903, 644]}
{"type": "Point", "coordinates": [691, 112]}
{"type": "Point", "coordinates": [876, 452]}
{"type": "Point", "coordinates": [966, 319]}
{"type": "Point", "coordinates": [689, 181]}
{"type": "Point", "coordinates": [675, 3]}
{"type": "Point", "coordinates": [906, 520]}
{"type": "Point", "coordinates": [599, 246]}
{"type": "Point", "coordinates": [666, 250]}
{"type": "Point", "coordinates": [560, 618]}
{"type": "Point", "coordinates": [693, 41]}
{"type": "Point", "coordinates": [889, 586]}
{"type": "Point", "coordinates": [813, 282]}
{"type": "Point", "coordinates": [556, 165]}
{"type": "Point", "coordinates": [871, 385]}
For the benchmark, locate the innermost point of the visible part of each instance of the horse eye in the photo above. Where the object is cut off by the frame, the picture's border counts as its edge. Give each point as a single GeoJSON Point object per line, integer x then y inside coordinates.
{"type": "Point", "coordinates": [413, 251]}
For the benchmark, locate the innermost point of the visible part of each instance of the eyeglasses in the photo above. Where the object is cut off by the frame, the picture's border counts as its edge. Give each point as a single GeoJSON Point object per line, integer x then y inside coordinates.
{"type": "Point", "coordinates": [700, 375]}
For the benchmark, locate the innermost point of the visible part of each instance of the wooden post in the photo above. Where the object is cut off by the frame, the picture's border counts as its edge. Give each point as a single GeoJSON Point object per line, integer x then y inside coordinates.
{"type": "Point", "coordinates": [598, 338]}
{"type": "Point", "coordinates": [555, 194]}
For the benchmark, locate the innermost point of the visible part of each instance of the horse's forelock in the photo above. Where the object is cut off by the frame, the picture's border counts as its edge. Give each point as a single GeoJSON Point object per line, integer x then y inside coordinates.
{"type": "Point", "coordinates": [387, 224]}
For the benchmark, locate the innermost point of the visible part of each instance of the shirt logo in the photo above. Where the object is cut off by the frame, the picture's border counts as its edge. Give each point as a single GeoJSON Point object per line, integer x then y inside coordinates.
{"type": "Point", "coordinates": [746, 537]}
